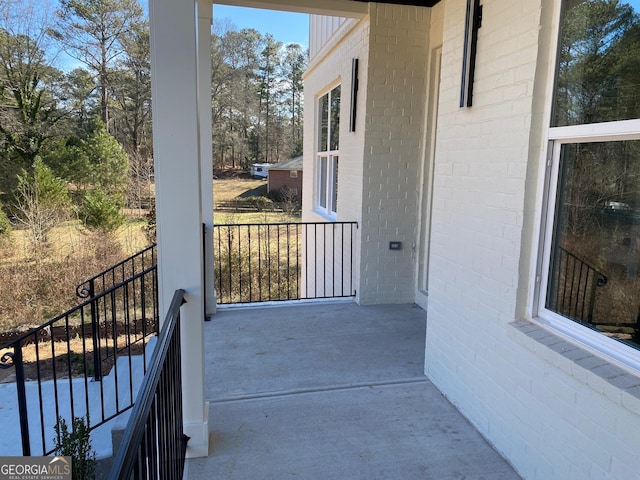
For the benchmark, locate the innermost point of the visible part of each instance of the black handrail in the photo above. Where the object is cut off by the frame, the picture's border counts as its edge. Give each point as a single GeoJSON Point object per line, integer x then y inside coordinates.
{"type": "Point", "coordinates": [573, 285]}
{"type": "Point", "coordinates": [114, 275]}
{"type": "Point", "coordinates": [154, 444]}
{"type": "Point", "coordinates": [128, 317]}
{"type": "Point", "coordinates": [284, 261]}
{"type": "Point", "coordinates": [118, 273]}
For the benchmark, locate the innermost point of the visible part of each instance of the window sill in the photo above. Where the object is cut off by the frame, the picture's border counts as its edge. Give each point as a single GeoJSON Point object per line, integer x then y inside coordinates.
{"type": "Point", "coordinates": [325, 216]}
{"type": "Point", "coordinates": [599, 373]}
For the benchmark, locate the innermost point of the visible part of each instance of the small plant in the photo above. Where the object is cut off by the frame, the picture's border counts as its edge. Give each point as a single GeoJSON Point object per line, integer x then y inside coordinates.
{"type": "Point", "coordinates": [80, 364]}
{"type": "Point", "coordinates": [76, 443]}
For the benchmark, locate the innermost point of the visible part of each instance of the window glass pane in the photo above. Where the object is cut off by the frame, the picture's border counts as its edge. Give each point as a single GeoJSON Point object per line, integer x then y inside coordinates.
{"type": "Point", "coordinates": [323, 123]}
{"type": "Point", "coordinates": [594, 275]}
{"type": "Point", "coordinates": [335, 118]}
{"type": "Point", "coordinates": [334, 195]}
{"type": "Point", "coordinates": [322, 187]}
{"type": "Point", "coordinates": [599, 61]}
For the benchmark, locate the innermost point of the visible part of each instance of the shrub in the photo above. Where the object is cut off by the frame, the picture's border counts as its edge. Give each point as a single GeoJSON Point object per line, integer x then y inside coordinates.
{"type": "Point", "coordinates": [76, 443]}
{"type": "Point", "coordinates": [286, 199]}
{"type": "Point", "coordinates": [101, 211]}
{"type": "Point", "coordinates": [258, 203]}
{"type": "Point", "coordinates": [5, 224]}
{"type": "Point", "coordinates": [150, 227]}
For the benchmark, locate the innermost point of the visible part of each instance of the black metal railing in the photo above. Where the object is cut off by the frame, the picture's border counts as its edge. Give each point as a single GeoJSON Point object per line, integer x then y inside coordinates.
{"type": "Point", "coordinates": [54, 363]}
{"type": "Point", "coordinates": [154, 444]}
{"type": "Point", "coordinates": [118, 273]}
{"type": "Point", "coordinates": [115, 275]}
{"type": "Point", "coordinates": [573, 286]}
{"type": "Point", "coordinates": [284, 261]}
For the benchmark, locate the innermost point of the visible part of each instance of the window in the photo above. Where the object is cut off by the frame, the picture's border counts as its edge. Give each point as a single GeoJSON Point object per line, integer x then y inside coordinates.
{"type": "Point", "coordinates": [328, 152]}
{"type": "Point", "coordinates": [590, 268]}
{"type": "Point", "coordinates": [293, 174]}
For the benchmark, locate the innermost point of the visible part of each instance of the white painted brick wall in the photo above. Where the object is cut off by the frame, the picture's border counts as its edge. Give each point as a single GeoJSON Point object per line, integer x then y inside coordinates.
{"type": "Point", "coordinates": [396, 98]}
{"type": "Point", "coordinates": [379, 163]}
{"type": "Point", "coordinates": [336, 68]}
{"type": "Point", "coordinates": [554, 411]}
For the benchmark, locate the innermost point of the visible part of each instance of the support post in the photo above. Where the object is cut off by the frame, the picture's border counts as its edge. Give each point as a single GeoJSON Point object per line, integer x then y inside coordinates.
{"type": "Point", "coordinates": [205, 18]}
{"type": "Point", "coordinates": [178, 175]}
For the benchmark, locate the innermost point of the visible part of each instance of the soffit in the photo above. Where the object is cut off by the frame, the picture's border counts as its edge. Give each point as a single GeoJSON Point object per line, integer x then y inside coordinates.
{"type": "Point", "coordinates": [338, 8]}
{"type": "Point", "coordinates": [417, 3]}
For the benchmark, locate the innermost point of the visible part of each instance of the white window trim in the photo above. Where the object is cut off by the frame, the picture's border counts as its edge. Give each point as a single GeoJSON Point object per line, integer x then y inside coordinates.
{"type": "Point", "coordinates": [329, 192]}
{"type": "Point", "coordinates": [331, 156]}
{"type": "Point", "coordinates": [594, 341]}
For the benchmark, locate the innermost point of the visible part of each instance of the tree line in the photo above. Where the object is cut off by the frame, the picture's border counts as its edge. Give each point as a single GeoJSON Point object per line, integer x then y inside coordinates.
{"type": "Point", "coordinates": [75, 109]}
{"type": "Point", "coordinates": [598, 81]}
{"type": "Point", "coordinates": [257, 97]}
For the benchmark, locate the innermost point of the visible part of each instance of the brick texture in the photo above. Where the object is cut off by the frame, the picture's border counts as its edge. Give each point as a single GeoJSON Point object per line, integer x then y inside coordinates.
{"type": "Point", "coordinates": [554, 410]}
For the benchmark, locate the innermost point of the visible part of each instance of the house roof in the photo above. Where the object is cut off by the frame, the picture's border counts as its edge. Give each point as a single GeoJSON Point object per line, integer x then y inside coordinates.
{"type": "Point", "coordinates": [294, 163]}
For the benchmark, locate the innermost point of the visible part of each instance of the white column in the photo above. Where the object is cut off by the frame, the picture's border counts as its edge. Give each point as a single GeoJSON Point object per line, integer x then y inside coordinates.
{"type": "Point", "coordinates": [205, 16]}
{"type": "Point", "coordinates": [176, 142]}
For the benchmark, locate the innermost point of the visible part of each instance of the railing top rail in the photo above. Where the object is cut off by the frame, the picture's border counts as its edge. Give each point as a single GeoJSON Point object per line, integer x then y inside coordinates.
{"type": "Point", "coordinates": [82, 288]}
{"type": "Point", "coordinates": [603, 278]}
{"type": "Point", "coordinates": [281, 223]}
{"type": "Point", "coordinates": [80, 306]}
{"type": "Point", "coordinates": [126, 455]}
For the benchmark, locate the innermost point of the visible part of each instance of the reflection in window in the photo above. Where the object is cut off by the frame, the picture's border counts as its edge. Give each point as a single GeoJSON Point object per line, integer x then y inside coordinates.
{"type": "Point", "coordinates": [594, 275]}
{"type": "Point", "coordinates": [335, 118]}
{"type": "Point", "coordinates": [323, 134]}
{"type": "Point", "coordinates": [334, 195]}
{"type": "Point", "coordinates": [599, 63]}
{"type": "Point", "coordinates": [323, 182]}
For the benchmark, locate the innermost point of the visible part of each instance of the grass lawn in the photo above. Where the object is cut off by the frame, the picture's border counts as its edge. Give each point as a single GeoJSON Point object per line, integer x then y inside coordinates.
{"type": "Point", "coordinates": [226, 189]}
{"type": "Point", "coordinates": [69, 238]}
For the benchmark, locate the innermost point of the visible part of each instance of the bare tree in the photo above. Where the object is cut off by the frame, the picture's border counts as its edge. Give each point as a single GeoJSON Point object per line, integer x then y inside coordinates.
{"type": "Point", "coordinates": [42, 202]}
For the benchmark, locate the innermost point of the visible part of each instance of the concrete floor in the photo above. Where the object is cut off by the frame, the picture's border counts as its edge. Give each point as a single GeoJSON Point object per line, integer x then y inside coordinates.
{"type": "Point", "coordinates": [331, 391]}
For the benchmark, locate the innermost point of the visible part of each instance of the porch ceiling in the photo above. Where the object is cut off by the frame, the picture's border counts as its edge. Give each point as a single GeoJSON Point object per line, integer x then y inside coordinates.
{"type": "Point", "coordinates": [340, 8]}
{"type": "Point", "coordinates": [417, 3]}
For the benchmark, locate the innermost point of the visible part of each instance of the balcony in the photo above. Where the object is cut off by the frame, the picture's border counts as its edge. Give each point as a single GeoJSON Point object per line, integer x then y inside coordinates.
{"type": "Point", "coordinates": [322, 388]}
{"type": "Point", "coordinates": [331, 390]}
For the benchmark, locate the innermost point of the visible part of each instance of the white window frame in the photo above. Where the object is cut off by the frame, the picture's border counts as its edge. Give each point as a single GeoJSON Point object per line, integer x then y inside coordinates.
{"type": "Point", "coordinates": [325, 202]}
{"type": "Point", "coordinates": [558, 136]}
{"type": "Point", "coordinates": [326, 194]}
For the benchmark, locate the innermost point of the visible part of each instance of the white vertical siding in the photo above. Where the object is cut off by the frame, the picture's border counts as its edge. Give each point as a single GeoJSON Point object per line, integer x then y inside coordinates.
{"type": "Point", "coordinates": [321, 28]}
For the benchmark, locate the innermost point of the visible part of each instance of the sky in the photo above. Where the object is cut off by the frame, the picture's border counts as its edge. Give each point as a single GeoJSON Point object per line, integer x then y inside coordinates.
{"type": "Point", "coordinates": [285, 27]}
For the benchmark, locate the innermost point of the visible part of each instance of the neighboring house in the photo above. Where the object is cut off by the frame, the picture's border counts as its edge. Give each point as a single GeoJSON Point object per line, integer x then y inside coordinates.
{"type": "Point", "coordinates": [497, 204]}
{"type": "Point", "coordinates": [286, 177]}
